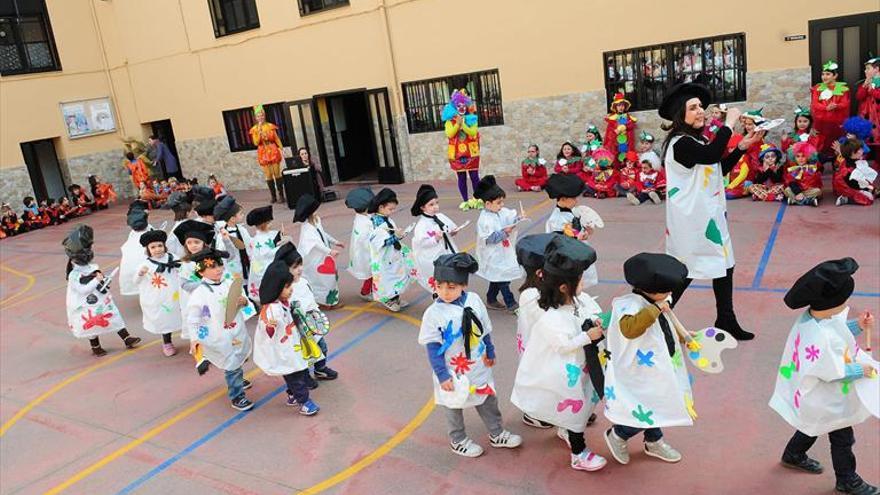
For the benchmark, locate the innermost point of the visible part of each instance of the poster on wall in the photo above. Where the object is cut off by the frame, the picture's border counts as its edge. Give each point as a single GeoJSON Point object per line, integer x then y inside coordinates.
{"type": "Point", "coordinates": [88, 117]}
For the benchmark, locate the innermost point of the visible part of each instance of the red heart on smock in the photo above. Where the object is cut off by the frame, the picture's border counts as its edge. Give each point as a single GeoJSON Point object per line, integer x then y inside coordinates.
{"type": "Point", "coordinates": [328, 267]}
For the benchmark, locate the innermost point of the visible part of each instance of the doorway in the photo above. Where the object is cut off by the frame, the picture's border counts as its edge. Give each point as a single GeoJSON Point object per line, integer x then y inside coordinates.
{"type": "Point", "coordinates": [352, 139]}
{"type": "Point", "coordinates": [849, 40]}
{"type": "Point", "coordinates": [44, 169]}
{"type": "Point", "coordinates": [162, 129]}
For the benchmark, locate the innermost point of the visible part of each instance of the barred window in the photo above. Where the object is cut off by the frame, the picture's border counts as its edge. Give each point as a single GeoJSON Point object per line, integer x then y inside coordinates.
{"type": "Point", "coordinates": [238, 124]}
{"type": "Point", "coordinates": [424, 100]}
{"type": "Point", "coordinates": [645, 73]}
{"type": "Point", "coordinates": [26, 41]}
{"type": "Point", "coordinates": [233, 16]}
{"type": "Point", "coordinates": [307, 7]}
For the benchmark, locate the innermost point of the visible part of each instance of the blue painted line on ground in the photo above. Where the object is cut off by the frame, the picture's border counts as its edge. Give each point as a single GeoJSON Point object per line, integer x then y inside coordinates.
{"type": "Point", "coordinates": [238, 417]}
{"type": "Point", "coordinates": [768, 248]}
{"type": "Point", "coordinates": [743, 289]}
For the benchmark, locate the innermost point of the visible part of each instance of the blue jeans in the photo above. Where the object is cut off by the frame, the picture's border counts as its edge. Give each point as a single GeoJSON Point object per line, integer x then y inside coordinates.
{"type": "Point", "coordinates": [627, 432]}
{"type": "Point", "coordinates": [504, 288]}
{"type": "Point", "coordinates": [296, 385]}
{"type": "Point", "coordinates": [234, 383]}
{"type": "Point", "coordinates": [319, 365]}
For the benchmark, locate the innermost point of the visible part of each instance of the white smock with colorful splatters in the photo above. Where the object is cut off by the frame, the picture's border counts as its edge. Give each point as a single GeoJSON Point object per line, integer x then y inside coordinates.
{"type": "Point", "coordinates": [428, 245]}
{"type": "Point", "coordinates": [497, 261]}
{"type": "Point", "coordinates": [159, 294]}
{"type": "Point", "coordinates": [696, 217]}
{"type": "Point", "coordinates": [133, 255]}
{"type": "Point", "coordinates": [359, 247]}
{"type": "Point", "coordinates": [225, 346]}
{"type": "Point", "coordinates": [644, 386]}
{"type": "Point", "coordinates": [393, 269]}
{"type": "Point", "coordinates": [811, 394]}
{"type": "Point", "coordinates": [261, 252]}
{"type": "Point", "coordinates": [556, 222]}
{"type": "Point", "coordinates": [90, 313]}
{"type": "Point", "coordinates": [319, 268]}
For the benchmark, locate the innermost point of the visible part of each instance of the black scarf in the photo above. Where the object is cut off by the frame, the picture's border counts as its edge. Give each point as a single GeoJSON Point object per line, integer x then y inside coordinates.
{"type": "Point", "coordinates": [242, 253]}
{"type": "Point", "coordinates": [575, 222]}
{"type": "Point", "coordinates": [162, 266]}
{"type": "Point", "coordinates": [664, 326]}
{"type": "Point", "coordinates": [594, 366]}
{"type": "Point", "coordinates": [469, 319]}
{"type": "Point", "coordinates": [391, 233]}
{"type": "Point", "coordinates": [446, 242]}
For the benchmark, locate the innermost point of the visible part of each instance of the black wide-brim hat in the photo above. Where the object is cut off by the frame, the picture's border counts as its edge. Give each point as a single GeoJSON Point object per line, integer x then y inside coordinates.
{"type": "Point", "coordinates": [206, 207]}
{"type": "Point", "coordinates": [488, 189]}
{"type": "Point", "coordinates": [259, 216]}
{"type": "Point", "coordinates": [384, 196]}
{"type": "Point", "coordinates": [288, 254]}
{"type": "Point", "coordinates": [654, 272]}
{"type": "Point", "coordinates": [78, 240]}
{"type": "Point", "coordinates": [276, 277]}
{"type": "Point", "coordinates": [177, 200]}
{"type": "Point", "coordinates": [305, 206]}
{"type": "Point", "coordinates": [454, 268]}
{"type": "Point", "coordinates": [137, 219]}
{"type": "Point", "coordinates": [564, 186]}
{"type": "Point", "coordinates": [567, 257]}
{"type": "Point", "coordinates": [226, 208]}
{"type": "Point", "coordinates": [195, 229]}
{"type": "Point", "coordinates": [359, 198]}
{"type": "Point", "coordinates": [425, 193]}
{"type": "Point", "coordinates": [153, 236]}
{"type": "Point", "coordinates": [530, 250]}
{"type": "Point", "coordinates": [678, 95]}
{"type": "Point", "coordinates": [827, 285]}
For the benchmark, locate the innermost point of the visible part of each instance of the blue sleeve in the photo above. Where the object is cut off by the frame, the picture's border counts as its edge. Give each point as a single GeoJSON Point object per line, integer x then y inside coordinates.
{"type": "Point", "coordinates": [854, 371]}
{"type": "Point", "coordinates": [490, 347]}
{"type": "Point", "coordinates": [438, 363]}
{"type": "Point", "coordinates": [496, 237]}
{"type": "Point", "coordinates": [853, 326]}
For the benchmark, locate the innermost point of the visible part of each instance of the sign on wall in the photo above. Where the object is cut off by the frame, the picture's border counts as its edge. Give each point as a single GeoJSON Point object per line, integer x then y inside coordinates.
{"type": "Point", "coordinates": [85, 118]}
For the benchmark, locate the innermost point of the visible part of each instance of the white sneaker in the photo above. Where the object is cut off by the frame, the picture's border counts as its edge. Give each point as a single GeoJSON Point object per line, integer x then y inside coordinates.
{"type": "Point", "coordinates": [587, 461]}
{"type": "Point", "coordinates": [562, 433]}
{"type": "Point", "coordinates": [654, 197]}
{"type": "Point", "coordinates": [617, 446]}
{"type": "Point", "coordinates": [393, 306]}
{"type": "Point", "coordinates": [841, 200]}
{"type": "Point", "coordinates": [633, 199]}
{"type": "Point", "coordinates": [366, 297]}
{"type": "Point", "coordinates": [662, 450]}
{"type": "Point", "coordinates": [505, 439]}
{"type": "Point", "coordinates": [467, 448]}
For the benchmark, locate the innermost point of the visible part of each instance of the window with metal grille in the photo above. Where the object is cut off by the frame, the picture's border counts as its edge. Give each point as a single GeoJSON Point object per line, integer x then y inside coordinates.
{"type": "Point", "coordinates": [424, 100]}
{"type": "Point", "coordinates": [233, 16]}
{"type": "Point", "coordinates": [26, 41]}
{"type": "Point", "coordinates": [645, 73]}
{"type": "Point", "coordinates": [307, 7]}
{"type": "Point", "coordinates": [238, 124]}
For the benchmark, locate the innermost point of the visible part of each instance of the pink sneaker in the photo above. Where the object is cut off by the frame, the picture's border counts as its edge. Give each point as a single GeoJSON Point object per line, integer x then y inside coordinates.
{"type": "Point", "coordinates": [587, 461]}
{"type": "Point", "coordinates": [169, 350]}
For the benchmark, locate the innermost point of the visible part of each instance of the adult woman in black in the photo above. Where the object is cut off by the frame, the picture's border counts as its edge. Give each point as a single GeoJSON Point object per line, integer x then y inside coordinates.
{"type": "Point", "coordinates": [304, 160]}
{"type": "Point", "coordinates": [696, 209]}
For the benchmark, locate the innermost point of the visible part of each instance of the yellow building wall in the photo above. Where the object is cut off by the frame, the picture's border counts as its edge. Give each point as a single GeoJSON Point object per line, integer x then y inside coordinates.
{"type": "Point", "coordinates": [164, 62]}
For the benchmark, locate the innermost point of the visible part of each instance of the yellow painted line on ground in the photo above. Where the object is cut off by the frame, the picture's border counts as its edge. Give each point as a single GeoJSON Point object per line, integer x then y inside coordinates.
{"type": "Point", "coordinates": [18, 302]}
{"type": "Point", "coordinates": [219, 392]}
{"type": "Point", "coordinates": [27, 286]}
{"type": "Point", "coordinates": [52, 391]}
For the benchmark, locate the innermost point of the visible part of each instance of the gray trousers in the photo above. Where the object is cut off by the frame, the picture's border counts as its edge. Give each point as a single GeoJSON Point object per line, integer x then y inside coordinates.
{"type": "Point", "coordinates": [488, 412]}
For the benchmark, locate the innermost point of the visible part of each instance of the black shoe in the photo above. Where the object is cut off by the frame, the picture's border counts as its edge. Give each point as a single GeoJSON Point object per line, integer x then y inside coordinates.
{"type": "Point", "coordinates": [591, 419]}
{"type": "Point", "coordinates": [246, 384]}
{"type": "Point", "coordinates": [242, 404]}
{"type": "Point", "coordinates": [326, 373]}
{"type": "Point", "coordinates": [131, 342]}
{"type": "Point", "coordinates": [99, 351]}
{"type": "Point", "coordinates": [856, 487]}
{"type": "Point", "coordinates": [311, 383]}
{"type": "Point", "coordinates": [732, 327]}
{"type": "Point", "coordinates": [811, 466]}
{"type": "Point", "coordinates": [536, 423]}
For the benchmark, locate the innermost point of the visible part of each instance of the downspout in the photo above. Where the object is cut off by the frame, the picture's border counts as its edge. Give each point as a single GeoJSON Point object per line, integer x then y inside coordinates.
{"type": "Point", "coordinates": [120, 127]}
{"type": "Point", "coordinates": [397, 98]}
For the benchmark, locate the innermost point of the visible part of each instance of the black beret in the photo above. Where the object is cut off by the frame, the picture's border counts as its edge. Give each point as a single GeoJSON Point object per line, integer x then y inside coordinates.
{"type": "Point", "coordinates": [153, 236]}
{"type": "Point", "coordinates": [259, 216]}
{"type": "Point", "coordinates": [288, 254]}
{"type": "Point", "coordinates": [358, 199]}
{"type": "Point", "coordinates": [530, 250]}
{"type": "Point", "coordinates": [567, 257]}
{"type": "Point", "coordinates": [827, 285]}
{"type": "Point", "coordinates": [208, 254]}
{"type": "Point", "coordinates": [678, 95]}
{"type": "Point", "coordinates": [137, 219]}
{"type": "Point", "coordinates": [488, 189]}
{"type": "Point", "coordinates": [305, 206]}
{"type": "Point", "coordinates": [206, 207]}
{"type": "Point", "coordinates": [195, 229]}
{"type": "Point", "coordinates": [176, 201]}
{"type": "Point", "coordinates": [654, 272]}
{"type": "Point", "coordinates": [454, 267]}
{"type": "Point", "coordinates": [78, 240]}
{"type": "Point", "coordinates": [226, 208]}
{"type": "Point", "coordinates": [276, 277]}
{"type": "Point", "coordinates": [564, 186]}
{"type": "Point", "coordinates": [382, 197]}
{"type": "Point", "coordinates": [425, 193]}
{"type": "Point", "coordinates": [202, 193]}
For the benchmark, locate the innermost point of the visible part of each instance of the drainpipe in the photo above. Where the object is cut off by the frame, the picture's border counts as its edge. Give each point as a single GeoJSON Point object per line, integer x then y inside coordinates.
{"type": "Point", "coordinates": [120, 127]}
{"type": "Point", "coordinates": [396, 96]}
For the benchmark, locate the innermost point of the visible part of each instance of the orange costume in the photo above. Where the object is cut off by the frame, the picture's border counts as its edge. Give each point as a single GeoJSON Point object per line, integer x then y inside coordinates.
{"type": "Point", "coordinates": [265, 137]}
{"type": "Point", "coordinates": [138, 171]}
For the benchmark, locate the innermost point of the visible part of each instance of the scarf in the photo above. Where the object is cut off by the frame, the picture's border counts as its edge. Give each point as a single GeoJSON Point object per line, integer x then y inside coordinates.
{"type": "Point", "coordinates": [162, 266]}
{"type": "Point", "coordinates": [378, 220]}
{"type": "Point", "coordinates": [664, 326]}
{"type": "Point", "coordinates": [471, 327]}
{"type": "Point", "coordinates": [446, 242]}
{"type": "Point", "coordinates": [594, 365]}
{"type": "Point", "coordinates": [242, 253]}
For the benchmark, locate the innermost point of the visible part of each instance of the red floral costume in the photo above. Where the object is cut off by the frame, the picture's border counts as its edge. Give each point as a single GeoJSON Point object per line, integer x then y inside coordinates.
{"type": "Point", "coordinates": [743, 172]}
{"type": "Point", "coordinates": [572, 166]}
{"type": "Point", "coordinates": [620, 130]}
{"type": "Point", "coordinates": [789, 139]}
{"type": "Point", "coordinates": [827, 122]}
{"type": "Point", "coordinates": [869, 108]}
{"type": "Point", "coordinates": [534, 174]}
{"type": "Point", "coordinates": [843, 186]}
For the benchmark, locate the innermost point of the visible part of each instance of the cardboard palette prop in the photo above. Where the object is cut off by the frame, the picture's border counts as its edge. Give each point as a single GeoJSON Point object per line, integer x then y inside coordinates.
{"type": "Point", "coordinates": [769, 124]}
{"type": "Point", "coordinates": [704, 348]}
{"type": "Point", "coordinates": [232, 308]}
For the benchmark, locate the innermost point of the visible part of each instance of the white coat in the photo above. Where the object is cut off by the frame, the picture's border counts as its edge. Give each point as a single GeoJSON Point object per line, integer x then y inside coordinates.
{"type": "Point", "coordinates": [159, 295]}
{"type": "Point", "coordinates": [277, 346]}
{"type": "Point", "coordinates": [556, 223]}
{"type": "Point", "coordinates": [233, 265]}
{"type": "Point", "coordinates": [319, 268]}
{"type": "Point", "coordinates": [133, 256]}
{"type": "Point", "coordinates": [188, 279]}
{"type": "Point", "coordinates": [810, 392]}
{"type": "Point", "coordinates": [696, 217]}
{"type": "Point", "coordinates": [441, 323]}
{"type": "Point", "coordinates": [393, 269]}
{"type": "Point", "coordinates": [550, 383]}
{"type": "Point", "coordinates": [173, 245]}
{"type": "Point", "coordinates": [644, 386]}
{"type": "Point", "coordinates": [90, 313]}
{"type": "Point", "coordinates": [359, 247]}
{"type": "Point", "coordinates": [428, 245]}
{"type": "Point", "coordinates": [261, 251]}
{"type": "Point", "coordinates": [497, 262]}
{"type": "Point", "coordinates": [225, 348]}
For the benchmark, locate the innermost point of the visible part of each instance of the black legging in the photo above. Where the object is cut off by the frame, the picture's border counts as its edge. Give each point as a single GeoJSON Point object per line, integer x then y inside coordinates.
{"type": "Point", "coordinates": [723, 288]}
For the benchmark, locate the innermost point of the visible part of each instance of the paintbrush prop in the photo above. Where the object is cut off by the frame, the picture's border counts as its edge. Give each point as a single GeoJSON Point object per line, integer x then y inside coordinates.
{"type": "Point", "coordinates": [102, 287]}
